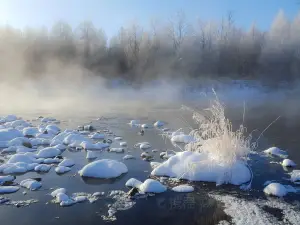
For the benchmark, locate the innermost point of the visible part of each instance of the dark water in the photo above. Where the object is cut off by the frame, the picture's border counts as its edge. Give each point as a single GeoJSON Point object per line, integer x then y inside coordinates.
{"type": "Point", "coordinates": [165, 208]}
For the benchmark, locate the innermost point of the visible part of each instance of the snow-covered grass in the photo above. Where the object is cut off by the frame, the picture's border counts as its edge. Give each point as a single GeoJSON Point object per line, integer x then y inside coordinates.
{"type": "Point", "coordinates": [216, 137]}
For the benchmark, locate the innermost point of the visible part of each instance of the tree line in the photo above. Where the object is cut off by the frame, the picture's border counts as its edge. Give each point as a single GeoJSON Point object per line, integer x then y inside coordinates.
{"type": "Point", "coordinates": [172, 49]}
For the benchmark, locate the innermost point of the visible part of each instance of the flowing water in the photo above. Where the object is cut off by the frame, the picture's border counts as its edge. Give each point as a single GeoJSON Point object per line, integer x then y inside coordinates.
{"type": "Point", "coordinates": [165, 208]}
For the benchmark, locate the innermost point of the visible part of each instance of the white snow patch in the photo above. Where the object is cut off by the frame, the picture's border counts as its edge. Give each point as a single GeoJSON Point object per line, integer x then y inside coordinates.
{"type": "Point", "coordinates": [118, 138]}
{"type": "Point", "coordinates": [123, 144]}
{"type": "Point", "coordinates": [277, 189]}
{"type": "Point", "coordinates": [276, 151]}
{"type": "Point", "coordinates": [132, 182]}
{"type": "Point", "coordinates": [196, 166]}
{"type": "Point", "coordinates": [126, 157]}
{"type": "Point", "coordinates": [62, 169]}
{"type": "Point", "coordinates": [67, 163]}
{"type": "Point", "coordinates": [288, 163]}
{"type": "Point", "coordinates": [92, 146]}
{"type": "Point", "coordinates": [30, 131]}
{"type": "Point", "coordinates": [117, 150]}
{"type": "Point", "coordinates": [104, 168]}
{"type": "Point", "coordinates": [26, 158]}
{"type": "Point", "coordinates": [143, 145]}
{"type": "Point", "coordinates": [8, 189]}
{"type": "Point", "coordinates": [31, 184]}
{"type": "Point", "coordinates": [48, 152]}
{"type": "Point", "coordinates": [4, 179]}
{"type": "Point", "coordinates": [97, 136]}
{"type": "Point", "coordinates": [152, 186]}
{"type": "Point", "coordinates": [182, 138]}
{"type": "Point", "coordinates": [42, 168]}
{"type": "Point", "coordinates": [295, 176]}
{"type": "Point", "coordinates": [9, 134]}
{"type": "Point", "coordinates": [57, 191]}
{"type": "Point", "coordinates": [183, 188]}
{"type": "Point", "coordinates": [52, 129]}
{"type": "Point", "coordinates": [159, 123]}
{"type": "Point", "coordinates": [91, 155]}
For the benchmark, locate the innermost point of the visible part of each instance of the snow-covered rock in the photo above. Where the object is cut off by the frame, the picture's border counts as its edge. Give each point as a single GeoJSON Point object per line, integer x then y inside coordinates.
{"type": "Point", "coordinates": [91, 155]}
{"type": "Point", "coordinates": [118, 138]}
{"type": "Point", "coordinates": [8, 118]}
{"type": "Point", "coordinates": [134, 122]}
{"type": "Point", "coordinates": [9, 134]}
{"type": "Point", "coordinates": [288, 163]}
{"type": "Point", "coordinates": [8, 189]}
{"type": "Point", "coordinates": [275, 189]}
{"type": "Point", "coordinates": [30, 131]}
{"type": "Point", "coordinates": [75, 139]}
{"type": "Point", "coordinates": [8, 178]}
{"type": "Point", "coordinates": [132, 182]}
{"type": "Point", "coordinates": [126, 157]}
{"type": "Point", "coordinates": [52, 129]}
{"type": "Point", "coordinates": [31, 184]}
{"type": "Point", "coordinates": [79, 199]}
{"type": "Point", "coordinates": [183, 188]}
{"type": "Point", "coordinates": [276, 151]}
{"type": "Point", "coordinates": [152, 186]}
{"type": "Point", "coordinates": [39, 141]}
{"type": "Point", "coordinates": [154, 164]}
{"type": "Point", "coordinates": [25, 158]}
{"type": "Point", "coordinates": [143, 145]}
{"type": "Point", "coordinates": [97, 136]}
{"type": "Point", "coordinates": [51, 160]}
{"type": "Point", "coordinates": [42, 168]}
{"type": "Point", "coordinates": [123, 144]}
{"type": "Point", "coordinates": [195, 166]}
{"type": "Point", "coordinates": [48, 152]}
{"type": "Point", "coordinates": [61, 197]}
{"type": "Point", "coordinates": [57, 191]}
{"type": "Point", "coordinates": [145, 126]}
{"type": "Point", "coordinates": [68, 202]}
{"type": "Point", "coordinates": [67, 163]}
{"type": "Point", "coordinates": [117, 150]}
{"type": "Point", "coordinates": [104, 168]}
{"type": "Point", "coordinates": [92, 146]}
{"type": "Point", "coordinates": [24, 149]}
{"type": "Point", "coordinates": [62, 169]}
{"type": "Point", "coordinates": [159, 123]}
{"type": "Point", "coordinates": [295, 176]}
{"type": "Point", "coordinates": [48, 119]}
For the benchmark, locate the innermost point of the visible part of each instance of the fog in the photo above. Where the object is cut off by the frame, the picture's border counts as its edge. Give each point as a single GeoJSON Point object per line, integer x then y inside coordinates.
{"type": "Point", "coordinates": [70, 70]}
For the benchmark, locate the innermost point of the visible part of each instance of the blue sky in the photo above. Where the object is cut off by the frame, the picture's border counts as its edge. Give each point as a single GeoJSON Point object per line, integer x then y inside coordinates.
{"type": "Point", "coordinates": [112, 14]}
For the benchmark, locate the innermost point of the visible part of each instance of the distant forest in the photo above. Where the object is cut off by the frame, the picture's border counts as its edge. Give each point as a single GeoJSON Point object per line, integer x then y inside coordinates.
{"type": "Point", "coordinates": [164, 49]}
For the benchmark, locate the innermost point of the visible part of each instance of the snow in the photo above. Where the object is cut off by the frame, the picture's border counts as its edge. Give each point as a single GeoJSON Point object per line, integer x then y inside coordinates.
{"type": "Point", "coordinates": [154, 164]}
{"type": "Point", "coordinates": [4, 179]}
{"type": "Point", "coordinates": [75, 139]}
{"type": "Point", "coordinates": [39, 141]}
{"type": "Point", "coordinates": [183, 188]}
{"type": "Point", "coordinates": [67, 163]}
{"type": "Point", "coordinates": [50, 160]}
{"type": "Point", "coordinates": [57, 191]}
{"type": "Point", "coordinates": [275, 189]}
{"type": "Point", "coordinates": [152, 186]}
{"type": "Point", "coordinates": [79, 199]}
{"type": "Point", "coordinates": [104, 168]}
{"type": "Point", "coordinates": [52, 129]}
{"type": "Point", "coordinates": [68, 202]}
{"type": "Point", "coordinates": [288, 163]}
{"type": "Point", "coordinates": [126, 157]}
{"type": "Point", "coordinates": [97, 136]}
{"type": "Point", "coordinates": [18, 141]}
{"type": "Point", "coordinates": [134, 122]}
{"type": "Point", "coordinates": [159, 123]}
{"type": "Point", "coordinates": [17, 123]}
{"type": "Point", "coordinates": [91, 155]}
{"type": "Point", "coordinates": [8, 189]}
{"type": "Point", "coordinates": [195, 166]}
{"type": "Point", "coordinates": [48, 152]}
{"type": "Point", "coordinates": [45, 136]}
{"type": "Point", "coordinates": [143, 145]}
{"type": "Point", "coordinates": [182, 138]}
{"type": "Point", "coordinates": [145, 126]}
{"type": "Point", "coordinates": [295, 176]}
{"type": "Point", "coordinates": [62, 169]}
{"type": "Point", "coordinates": [91, 146]}
{"type": "Point", "coordinates": [9, 134]}
{"type": "Point", "coordinates": [9, 149]}
{"type": "Point", "coordinates": [48, 119]}
{"type": "Point", "coordinates": [30, 184]}
{"type": "Point", "coordinates": [117, 150]}
{"type": "Point", "coordinates": [118, 138]}
{"type": "Point", "coordinates": [277, 152]}
{"type": "Point", "coordinates": [42, 168]}
{"type": "Point", "coordinates": [26, 158]}
{"type": "Point", "coordinates": [132, 182]}
{"type": "Point", "coordinates": [60, 147]}
{"type": "Point", "coordinates": [30, 131]}
{"type": "Point", "coordinates": [8, 118]}
{"type": "Point", "coordinates": [123, 144]}
{"type": "Point", "coordinates": [61, 197]}
{"type": "Point", "coordinates": [23, 149]}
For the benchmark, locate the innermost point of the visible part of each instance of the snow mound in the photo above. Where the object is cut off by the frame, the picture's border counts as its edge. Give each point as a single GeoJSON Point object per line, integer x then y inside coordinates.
{"type": "Point", "coordinates": [295, 176]}
{"type": "Point", "coordinates": [288, 163]}
{"type": "Point", "coordinates": [104, 168]}
{"type": "Point", "coordinates": [134, 123]}
{"type": "Point", "coordinates": [9, 134]}
{"type": "Point", "coordinates": [62, 169]}
{"type": "Point", "coordinates": [152, 186]}
{"type": "Point", "coordinates": [57, 191]}
{"type": "Point", "coordinates": [8, 189]}
{"type": "Point", "coordinates": [143, 145]}
{"type": "Point", "coordinates": [123, 144]}
{"type": "Point", "coordinates": [42, 168]}
{"type": "Point", "coordinates": [30, 131]}
{"type": "Point", "coordinates": [4, 179]}
{"type": "Point", "coordinates": [182, 138]}
{"type": "Point", "coordinates": [195, 166]}
{"type": "Point", "coordinates": [50, 160]}
{"type": "Point", "coordinates": [48, 120]}
{"type": "Point", "coordinates": [126, 157]}
{"type": "Point", "coordinates": [75, 140]}
{"type": "Point", "coordinates": [91, 155]}
{"type": "Point", "coordinates": [159, 123]}
{"type": "Point", "coordinates": [117, 150]}
{"type": "Point", "coordinates": [132, 182]}
{"type": "Point", "coordinates": [8, 118]}
{"type": "Point", "coordinates": [277, 152]}
{"type": "Point", "coordinates": [92, 146]}
{"type": "Point", "coordinates": [276, 189]}
{"type": "Point", "coordinates": [52, 129]}
{"type": "Point", "coordinates": [48, 152]}
{"type": "Point", "coordinates": [67, 163]}
{"type": "Point", "coordinates": [118, 138]}
{"type": "Point", "coordinates": [39, 141]}
{"type": "Point", "coordinates": [25, 158]}
{"type": "Point", "coordinates": [97, 136]}
{"type": "Point", "coordinates": [31, 184]}
{"type": "Point", "coordinates": [183, 188]}
{"type": "Point", "coordinates": [23, 149]}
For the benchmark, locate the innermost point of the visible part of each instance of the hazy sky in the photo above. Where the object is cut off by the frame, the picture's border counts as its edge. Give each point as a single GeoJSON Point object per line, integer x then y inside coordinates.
{"type": "Point", "coordinates": [111, 14]}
